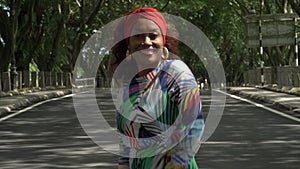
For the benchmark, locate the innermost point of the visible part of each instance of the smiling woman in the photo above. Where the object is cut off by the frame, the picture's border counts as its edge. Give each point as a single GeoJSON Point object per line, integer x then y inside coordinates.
{"type": "Point", "coordinates": [146, 44]}
{"type": "Point", "coordinates": [160, 115]}
{"type": "Point", "coordinates": [124, 32]}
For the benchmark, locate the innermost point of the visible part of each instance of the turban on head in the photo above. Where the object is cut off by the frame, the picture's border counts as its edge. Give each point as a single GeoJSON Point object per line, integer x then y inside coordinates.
{"type": "Point", "coordinates": [148, 13]}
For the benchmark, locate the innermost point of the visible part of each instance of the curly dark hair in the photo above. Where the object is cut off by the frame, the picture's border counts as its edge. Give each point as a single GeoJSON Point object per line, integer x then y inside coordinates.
{"type": "Point", "coordinates": [119, 50]}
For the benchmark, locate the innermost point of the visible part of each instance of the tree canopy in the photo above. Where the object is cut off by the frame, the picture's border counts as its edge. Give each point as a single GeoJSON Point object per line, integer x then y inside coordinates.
{"type": "Point", "coordinates": [52, 33]}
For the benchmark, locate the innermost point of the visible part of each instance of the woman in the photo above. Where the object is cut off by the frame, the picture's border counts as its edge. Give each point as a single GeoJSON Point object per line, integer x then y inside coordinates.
{"type": "Point", "coordinates": [159, 118]}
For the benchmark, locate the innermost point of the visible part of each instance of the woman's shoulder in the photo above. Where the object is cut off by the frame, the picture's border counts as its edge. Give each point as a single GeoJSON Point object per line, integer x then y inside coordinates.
{"type": "Point", "coordinates": [180, 72]}
{"type": "Point", "coordinates": [176, 66]}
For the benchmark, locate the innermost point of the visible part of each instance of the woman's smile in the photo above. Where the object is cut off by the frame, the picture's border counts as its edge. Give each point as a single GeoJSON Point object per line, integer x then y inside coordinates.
{"type": "Point", "coordinates": [146, 44]}
{"type": "Point", "coordinates": [148, 51]}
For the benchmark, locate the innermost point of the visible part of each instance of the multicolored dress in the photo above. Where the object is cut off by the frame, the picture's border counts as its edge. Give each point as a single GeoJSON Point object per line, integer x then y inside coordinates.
{"type": "Point", "coordinates": [160, 119]}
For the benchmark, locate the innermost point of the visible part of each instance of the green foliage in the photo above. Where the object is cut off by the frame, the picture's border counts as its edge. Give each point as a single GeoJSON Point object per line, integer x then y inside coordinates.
{"type": "Point", "coordinates": [5, 33]}
{"type": "Point", "coordinates": [33, 67]}
{"type": "Point", "coordinates": [52, 33]}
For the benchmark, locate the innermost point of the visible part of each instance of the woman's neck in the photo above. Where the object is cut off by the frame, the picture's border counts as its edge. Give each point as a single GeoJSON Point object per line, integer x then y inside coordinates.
{"type": "Point", "coordinates": [144, 72]}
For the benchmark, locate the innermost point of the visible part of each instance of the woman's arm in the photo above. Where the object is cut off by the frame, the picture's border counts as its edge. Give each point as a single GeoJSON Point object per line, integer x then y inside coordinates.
{"type": "Point", "coordinates": [189, 123]}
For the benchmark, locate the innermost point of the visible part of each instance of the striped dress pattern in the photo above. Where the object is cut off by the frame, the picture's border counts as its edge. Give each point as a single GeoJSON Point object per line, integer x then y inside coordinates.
{"type": "Point", "coordinates": [161, 119]}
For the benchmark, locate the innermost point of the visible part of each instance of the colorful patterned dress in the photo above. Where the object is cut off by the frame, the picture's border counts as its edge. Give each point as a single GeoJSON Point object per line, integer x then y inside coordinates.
{"type": "Point", "coordinates": [163, 108]}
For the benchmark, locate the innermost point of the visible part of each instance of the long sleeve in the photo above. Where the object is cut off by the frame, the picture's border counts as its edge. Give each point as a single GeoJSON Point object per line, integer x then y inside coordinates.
{"type": "Point", "coordinates": [167, 117]}
{"type": "Point", "coordinates": [190, 125]}
{"type": "Point", "coordinates": [182, 154]}
{"type": "Point", "coordinates": [123, 162]}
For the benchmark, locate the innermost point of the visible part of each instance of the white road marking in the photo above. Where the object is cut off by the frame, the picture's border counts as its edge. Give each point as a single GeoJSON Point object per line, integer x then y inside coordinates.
{"type": "Point", "coordinates": [262, 106]}
{"type": "Point", "coordinates": [32, 106]}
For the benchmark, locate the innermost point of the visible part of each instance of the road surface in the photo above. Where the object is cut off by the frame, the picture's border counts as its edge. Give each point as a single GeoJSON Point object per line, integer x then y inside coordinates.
{"type": "Point", "coordinates": [50, 136]}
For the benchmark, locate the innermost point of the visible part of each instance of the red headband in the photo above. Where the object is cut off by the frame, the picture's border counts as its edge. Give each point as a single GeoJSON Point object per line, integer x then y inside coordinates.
{"type": "Point", "coordinates": [148, 13]}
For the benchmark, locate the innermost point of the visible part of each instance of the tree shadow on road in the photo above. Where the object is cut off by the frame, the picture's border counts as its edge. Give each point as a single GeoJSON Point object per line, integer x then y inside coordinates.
{"type": "Point", "coordinates": [50, 136]}
{"type": "Point", "coordinates": [251, 138]}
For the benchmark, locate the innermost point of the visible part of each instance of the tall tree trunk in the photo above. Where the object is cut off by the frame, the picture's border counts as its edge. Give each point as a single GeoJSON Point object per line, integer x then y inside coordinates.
{"type": "Point", "coordinates": [295, 4]}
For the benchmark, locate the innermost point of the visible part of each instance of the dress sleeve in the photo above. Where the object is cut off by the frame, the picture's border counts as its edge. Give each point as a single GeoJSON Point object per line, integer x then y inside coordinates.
{"type": "Point", "coordinates": [189, 126]}
{"type": "Point", "coordinates": [123, 162]}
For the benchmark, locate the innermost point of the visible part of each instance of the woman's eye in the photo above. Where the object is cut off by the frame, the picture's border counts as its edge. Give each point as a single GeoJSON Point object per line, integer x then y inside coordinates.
{"type": "Point", "coordinates": [138, 35]}
{"type": "Point", "coordinates": [153, 36]}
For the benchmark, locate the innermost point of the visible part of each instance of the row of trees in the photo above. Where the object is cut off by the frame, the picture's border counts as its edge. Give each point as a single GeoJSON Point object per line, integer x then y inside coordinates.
{"type": "Point", "coordinates": [51, 34]}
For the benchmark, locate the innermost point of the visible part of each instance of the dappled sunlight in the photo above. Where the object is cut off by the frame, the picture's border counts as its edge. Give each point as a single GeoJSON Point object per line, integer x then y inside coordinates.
{"type": "Point", "coordinates": [247, 137]}
{"type": "Point", "coordinates": [251, 138]}
{"type": "Point", "coordinates": [50, 137]}
{"type": "Point", "coordinates": [294, 99]}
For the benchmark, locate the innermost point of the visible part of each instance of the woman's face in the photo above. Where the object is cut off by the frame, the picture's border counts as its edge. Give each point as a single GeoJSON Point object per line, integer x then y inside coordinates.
{"type": "Point", "coordinates": [146, 44]}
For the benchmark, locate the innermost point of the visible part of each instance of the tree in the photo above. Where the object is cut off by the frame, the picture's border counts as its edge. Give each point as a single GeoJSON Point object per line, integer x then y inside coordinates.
{"type": "Point", "coordinates": [295, 4]}
{"type": "Point", "coordinates": [5, 33]}
{"type": "Point", "coordinates": [273, 56]}
{"type": "Point", "coordinates": [52, 33]}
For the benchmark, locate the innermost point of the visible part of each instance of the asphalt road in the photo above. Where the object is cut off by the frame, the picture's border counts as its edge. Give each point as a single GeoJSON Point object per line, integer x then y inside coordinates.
{"type": "Point", "coordinates": [50, 136]}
